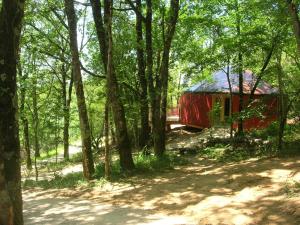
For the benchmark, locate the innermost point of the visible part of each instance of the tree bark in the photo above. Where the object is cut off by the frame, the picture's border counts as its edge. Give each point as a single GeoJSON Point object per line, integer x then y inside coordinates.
{"type": "Point", "coordinates": [282, 106]}
{"type": "Point", "coordinates": [88, 162]}
{"type": "Point", "coordinates": [11, 16]}
{"type": "Point", "coordinates": [293, 11]}
{"type": "Point", "coordinates": [67, 97]}
{"type": "Point", "coordinates": [149, 59]}
{"type": "Point", "coordinates": [143, 86]}
{"type": "Point", "coordinates": [24, 117]}
{"type": "Point", "coordinates": [35, 119]}
{"type": "Point", "coordinates": [231, 95]}
{"type": "Point", "coordinates": [123, 142]}
{"type": "Point", "coordinates": [240, 131]}
{"type": "Point", "coordinates": [106, 136]}
{"type": "Point", "coordinates": [103, 27]}
{"type": "Point", "coordinates": [162, 86]}
{"type": "Point", "coordinates": [261, 73]}
{"type": "Point", "coordinates": [27, 143]}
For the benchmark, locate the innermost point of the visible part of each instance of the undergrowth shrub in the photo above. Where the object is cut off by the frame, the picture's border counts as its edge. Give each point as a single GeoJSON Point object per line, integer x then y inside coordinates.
{"type": "Point", "coordinates": [69, 181]}
{"type": "Point", "coordinates": [143, 164]}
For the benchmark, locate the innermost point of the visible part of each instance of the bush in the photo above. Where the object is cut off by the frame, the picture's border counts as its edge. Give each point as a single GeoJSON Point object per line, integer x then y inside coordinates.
{"type": "Point", "coordinates": [268, 133]}
{"type": "Point", "coordinates": [143, 164]}
{"type": "Point", "coordinates": [115, 169]}
{"type": "Point", "coordinates": [146, 163]}
{"type": "Point", "coordinates": [76, 158]}
{"type": "Point", "coordinates": [69, 181]}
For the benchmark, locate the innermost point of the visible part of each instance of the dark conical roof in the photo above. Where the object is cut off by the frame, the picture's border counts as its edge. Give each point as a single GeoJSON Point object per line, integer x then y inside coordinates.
{"type": "Point", "coordinates": [220, 84]}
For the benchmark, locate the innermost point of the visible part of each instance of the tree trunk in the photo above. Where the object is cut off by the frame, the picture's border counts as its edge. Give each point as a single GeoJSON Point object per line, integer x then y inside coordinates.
{"type": "Point", "coordinates": [106, 136]}
{"type": "Point", "coordinates": [106, 44]}
{"type": "Point", "coordinates": [88, 163]}
{"type": "Point", "coordinates": [67, 96]}
{"type": "Point", "coordinates": [282, 106]}
{"type": "Point", "coordinates": [66, 113]}
{"type": "Point", "coordinates": [231, 96]}
{"type": "Point", "coordinates": [241, 95]}
{"type": "Point", "coordinates": [11, 16]}
{"type": "Point", "coordinates": [35, 119]}
{"type": "Point", "coordinates": [27, 143]}
{"type": "Point", "coordinates": [149, 60]}
{"type": "Point", "coordinates": [162, 86]}
{"type": "Point", "coordinates": [240, 72]}
{"type": "Point", "coordinates": [293, 11]}
{"type": "Point", "coordinates": [123, 142]}
{"type": "Point", "coordinates": [24, 117]}
{"type": "Point", "coordinates": [143, 95]}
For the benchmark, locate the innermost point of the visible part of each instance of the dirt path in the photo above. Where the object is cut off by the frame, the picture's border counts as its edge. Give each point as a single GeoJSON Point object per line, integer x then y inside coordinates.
{"type": "Point", "coordinates": [205, 192]}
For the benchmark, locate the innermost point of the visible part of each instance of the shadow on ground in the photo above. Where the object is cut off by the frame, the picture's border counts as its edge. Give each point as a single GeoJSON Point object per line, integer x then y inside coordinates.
{"type": "Point", "coordinates": [204, 192]}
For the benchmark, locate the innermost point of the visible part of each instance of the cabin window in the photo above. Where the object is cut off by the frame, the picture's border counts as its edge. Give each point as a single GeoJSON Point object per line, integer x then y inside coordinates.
{"type": "Point", "coordinates": [227, 107]}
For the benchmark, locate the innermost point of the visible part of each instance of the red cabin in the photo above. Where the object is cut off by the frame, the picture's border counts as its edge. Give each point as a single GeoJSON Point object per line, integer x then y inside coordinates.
{"type": "Point", "coordinates": [208, 104]}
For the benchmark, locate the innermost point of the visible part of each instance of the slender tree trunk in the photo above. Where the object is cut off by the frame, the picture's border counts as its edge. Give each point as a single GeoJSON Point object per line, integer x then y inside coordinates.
{"type": "Point", "coordinates": [27, 143]}
{"type": "Point", "coordinates": [149, 61]}
{"type": "Point", "coordinates": [35, 119]}
{"type": "Point", "coordinates": [66, 119]}
{"type": "Point", "coordinates": [240, 72]}
{"type": "Point", "coordinates": [231, 96]}
{"type": "Point", "coordinates": [161, 102]}
{"type": "Point", "coordinates": [261, 73]}
{"type": "Point", "coordinates": [11, 15]}
{"type": "Point", "coordinates": [143, 95]}
{"type": "Point", "coordinates": [106, 44]}
{"type": "Point", "coordinates": [88, 163]}
{"type": "Point", "coordinates": [24, 117]}
{"type": "Point", "coordinates": [106, 136]}
{"type": "Point", "coordinates": [112, 132]}
{"type": "Point", "coordinates": [123, 142]}
{"type": "Point", "coordinates": [293, 11]}
{"type": "Point", "coordinates": [282, 106]}
{"type": "Point", "coordinates": [100, 29]}
{"type": "Point", "coordinates": [158, 131]}
{"type": "Point", "coordinates": [67, 96]}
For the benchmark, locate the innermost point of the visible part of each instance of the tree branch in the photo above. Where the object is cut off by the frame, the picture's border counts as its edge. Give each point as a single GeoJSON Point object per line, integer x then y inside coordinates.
{"type": "Point", "coordinates": [91, 73]}
{"type": "Point", "coordinates": [266, 63]}
{"type": "Point", "coordinates": [135, 9]}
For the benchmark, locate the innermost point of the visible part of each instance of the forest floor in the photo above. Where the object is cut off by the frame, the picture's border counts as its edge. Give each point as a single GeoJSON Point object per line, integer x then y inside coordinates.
{"type": "Point", "coordinates": [204, 191]}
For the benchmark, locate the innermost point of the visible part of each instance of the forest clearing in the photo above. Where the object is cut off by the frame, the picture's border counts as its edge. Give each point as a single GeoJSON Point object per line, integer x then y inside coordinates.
{"type": "Point", "coordinates": [205, 192]}
{"type": "Point", "coordinates": [149, 112]}
{"type": "Point", "coordinates": [201, 190]}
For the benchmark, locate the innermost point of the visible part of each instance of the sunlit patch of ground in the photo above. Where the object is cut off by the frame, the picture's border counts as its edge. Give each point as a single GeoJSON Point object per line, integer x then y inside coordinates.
{"type": "Point", "coordinates": [203, 192]}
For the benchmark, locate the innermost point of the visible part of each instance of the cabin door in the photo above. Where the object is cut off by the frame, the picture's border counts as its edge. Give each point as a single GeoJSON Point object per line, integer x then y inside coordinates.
{"type": "Point", "coordinates": [220, 110]}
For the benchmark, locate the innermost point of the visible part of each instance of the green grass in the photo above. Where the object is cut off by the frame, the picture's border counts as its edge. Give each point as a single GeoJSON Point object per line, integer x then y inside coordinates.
{"type": "Point", "coordinates": [225, 153]}
{"type": "Point", "coordinates": [144, 164]}
{"type": "Point", "coordinates": [292, 189]}
{"type": "Point", "coordinates": [69, 181]}
{"type": "Point", "coordinates": [237, 151]}
{"type": "Point", "coordinates": [51, 153]}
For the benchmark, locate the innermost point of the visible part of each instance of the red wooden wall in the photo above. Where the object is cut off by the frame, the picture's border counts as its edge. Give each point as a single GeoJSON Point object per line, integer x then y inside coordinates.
{"type": "Point", "coordinates": [270, 114]}
{"type": "Point", "coordinates": [194, 110]}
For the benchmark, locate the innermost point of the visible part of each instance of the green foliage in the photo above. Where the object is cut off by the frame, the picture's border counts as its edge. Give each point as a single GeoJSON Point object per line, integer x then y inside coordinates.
{"type": "Point", "coordinates": [51, 153]}
{"type": "Point", "coordinates": [76, 158]}
{"type": "Point", "coordinates": [148, 163]}
{"type": "Point", "coordinates": [206, 40]}
{"type": "Point", "coordinates": [225, 153]}
{"type": "Point", "coordinates": [268, 133]}
{"type": "Point", "coordinates": [145, 164]}
{"type": "Point", "coordinates": [115, 170]}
